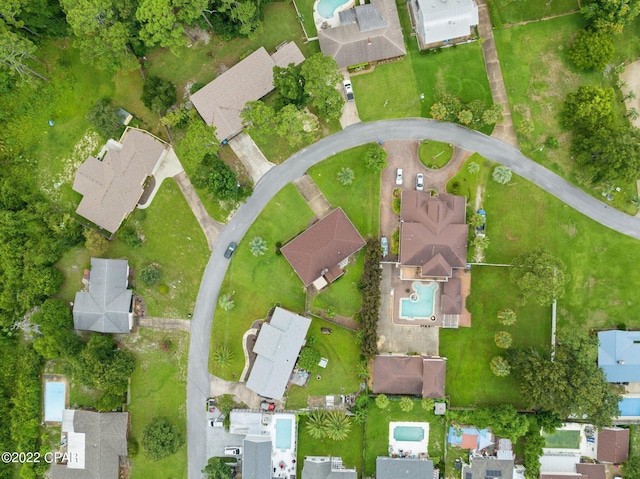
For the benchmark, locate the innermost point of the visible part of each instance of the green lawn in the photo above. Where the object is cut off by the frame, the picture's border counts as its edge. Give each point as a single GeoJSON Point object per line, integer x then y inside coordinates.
{"type": "Point", "coordinates": [251, 279]}
{"type": "Point", "coordinates": [377, 431]}
{"type": "Point", "coordinates": [504, 12]}
{"type": "Point", "coordinates": [562, 439]}
{"type": "Point", "coordinates": [350, 450]}
{"type": "Point", "coordinates": [158, 388]}
{"type": "Point", "coordinates": [173, 240]}
{"type": "Point", "coordinates": [339, 376]}
{"type": "Point", "coordinates": [305, 7]}
{"type": "Point", "coordinates": [365, 215]}
{"type": "Point", "coordinates": [343, 295]}
{"type": "Point", "coordinates": [420, 73]}
{"type": "Point", "coordinates": [434, 154]}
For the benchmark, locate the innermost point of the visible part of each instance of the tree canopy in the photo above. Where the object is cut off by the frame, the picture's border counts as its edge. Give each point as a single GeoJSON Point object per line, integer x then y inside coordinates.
{"type": "Point", "coordinates": [539, 275]}
{"type": "Point", "coordinates": [611, 16]}
{"type": "Point", "coordinates": [160, 438]}
{"type": "Point", "coordinates": [216, 468]}
{"type": "Point", "coordinates": [591, 50]}
{"type": "Point", "coordinates": [321, 75]}
{"type": "Point", "coordinates": [589, 108]}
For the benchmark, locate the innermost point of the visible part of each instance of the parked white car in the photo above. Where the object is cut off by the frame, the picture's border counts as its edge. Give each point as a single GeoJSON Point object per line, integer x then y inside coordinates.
{"type": "Point", "coordinates": [399, 176]}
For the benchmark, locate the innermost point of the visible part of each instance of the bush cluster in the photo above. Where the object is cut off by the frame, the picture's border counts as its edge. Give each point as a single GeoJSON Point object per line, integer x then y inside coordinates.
{"type": "Point", "coordinates": [370, 287]}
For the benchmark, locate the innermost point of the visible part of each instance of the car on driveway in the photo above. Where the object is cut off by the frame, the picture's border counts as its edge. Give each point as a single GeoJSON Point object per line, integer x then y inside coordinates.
{"type": "Point", "coordinates": [398, 176]}
{"type": "Point", "coordinates": [230, 249]}
{"type": "Point", "coordinates": [267, 406]}
{"type": "Point", "coordinates": [385, 246]}
{"type": "Point", "coordinates": [233, 451]}
{"type": "Point", "coordinates": [348, 90]}
{"type": "Point", "coordinates": [419, 182]}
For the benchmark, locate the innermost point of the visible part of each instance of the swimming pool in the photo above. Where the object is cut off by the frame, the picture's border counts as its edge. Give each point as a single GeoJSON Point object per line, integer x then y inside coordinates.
{"type": "Point", "coordinates": [54, 401]}
{"type": "Point", "coordinates": [420, 304]}
{"type": "Point", "coordinates": [283, 434]}
{"type": "Point", "coordinates": [408, 433]}
{"type": "Point", "coordinates": [326, 8]}
{"type": "Point", "coordinates": [629, 407]}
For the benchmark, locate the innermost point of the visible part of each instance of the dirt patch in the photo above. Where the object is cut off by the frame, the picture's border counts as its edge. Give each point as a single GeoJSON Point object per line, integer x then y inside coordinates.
{"type": "Point", "coordinates": [570, 229]}
{"type": "Point", "coordinates": [200, 35]}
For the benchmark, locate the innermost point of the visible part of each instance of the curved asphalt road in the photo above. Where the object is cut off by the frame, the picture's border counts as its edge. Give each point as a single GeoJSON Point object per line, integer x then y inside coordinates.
{"type": "Point", "coordinates": [277, 177]}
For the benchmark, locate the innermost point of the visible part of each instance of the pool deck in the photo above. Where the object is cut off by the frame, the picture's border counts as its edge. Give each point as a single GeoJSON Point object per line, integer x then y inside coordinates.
{"type": "Point", "coordinates": [409, 448]}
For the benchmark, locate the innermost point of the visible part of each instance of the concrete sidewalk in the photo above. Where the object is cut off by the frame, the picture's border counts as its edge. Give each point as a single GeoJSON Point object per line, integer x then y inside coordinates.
{"type": "Point", "coordinates": [169, 168]}
{"type": "Point", "coordinates": [314, 197]}
{"type": "Point", "coordinates": [250, 155]}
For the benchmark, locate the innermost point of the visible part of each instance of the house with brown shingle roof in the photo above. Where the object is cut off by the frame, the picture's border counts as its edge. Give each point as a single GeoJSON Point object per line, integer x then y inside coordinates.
{"type": "Point", "coordinates": [367, 33]}
{"type": "Point", "coordinates": [111, 184]}
{"type": "Point", "coordinates": [423, 376]}
{"type": "Point", "coordinates": [319, 253]}
{"type": "Point", "coordinates": [221, 101]}
{"type": "Point", "coordinates": [433, 234]}
{"type": "Point", "coordinates": [613, 445]}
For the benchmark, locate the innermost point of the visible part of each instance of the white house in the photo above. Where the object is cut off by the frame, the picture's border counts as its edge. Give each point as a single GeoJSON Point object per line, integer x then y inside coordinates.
{"type": "Point", "coordinates": [443, 22]}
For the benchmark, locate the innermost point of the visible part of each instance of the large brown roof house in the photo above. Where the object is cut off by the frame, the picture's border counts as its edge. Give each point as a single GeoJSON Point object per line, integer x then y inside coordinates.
{"type": "Point", "coordinates": [221, 101]}
{"type": "Point", "coordinates": [319, 254]}
{"type": "Point", "coordinates": [613, 445]}
{"type": "Point", "coordinates": [113, 183]}
{"type": "Point", "coordinates": [423, 376]}
{"type": "Point", "coordinates": [367, 33]}
{"type": "Point", "coordinates": [433, 234]}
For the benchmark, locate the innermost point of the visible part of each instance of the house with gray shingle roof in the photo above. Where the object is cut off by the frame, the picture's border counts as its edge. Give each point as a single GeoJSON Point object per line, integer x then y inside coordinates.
{"type": "Point", "coordinates": [95, 443]}
{"type": "Point", "coordinates": [403, 468]}
{"type": "Point", "coordinates": [111, 184]}
{"type": "Point", "coordinates": [367, 33]}
{"type": "Point", "coordinates": [256, 457]}
{"type": "Point", "coordinates": [443, 22]}
{"type": "Point", "coordinates": [221, 101]}
{"type": "Point", "coordinates": [488, 468]}
{"type": "Point", "coordinates": [277, 349]}
{"type": "Point", "coordinates": [325, 467]}
{"type": "Point", "coordinates": [106, 306]}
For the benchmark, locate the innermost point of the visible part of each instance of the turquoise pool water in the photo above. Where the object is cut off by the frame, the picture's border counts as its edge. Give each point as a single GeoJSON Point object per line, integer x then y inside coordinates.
{"type": "Point", "coordinates": [326, 8]}
{"type": "Point", "coordinates": [283, 434]}
{"type": "Point", "coordinates": [423, 307]}
{"type": "Point", "coordinates": [408, 433]}
{"type": "Point", "coordinates": [53, 401]}
{"type": "Point", "coordinates": [629, 407]}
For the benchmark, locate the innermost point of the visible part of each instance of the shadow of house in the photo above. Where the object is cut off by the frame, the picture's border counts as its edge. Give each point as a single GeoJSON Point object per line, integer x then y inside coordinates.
{"type": "Point", "coordinates": [422, 376]}
{"type": "Point", "coordinates": [443, 22]}
{"type": "Point", "coordinates": [112, 184]}
{"type": "Point", "coordinates": [367, 33]}
{"type": "Point", "coordinates": [107, 305]}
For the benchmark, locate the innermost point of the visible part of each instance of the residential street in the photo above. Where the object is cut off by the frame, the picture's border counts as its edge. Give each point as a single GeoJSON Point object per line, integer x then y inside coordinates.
{"type": "Point", "coordinates": [276, 178]}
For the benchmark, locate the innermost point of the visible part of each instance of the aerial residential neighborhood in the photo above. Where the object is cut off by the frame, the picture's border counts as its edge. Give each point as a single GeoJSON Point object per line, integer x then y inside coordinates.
{"type": "Point", "coordinates": [320, 239]}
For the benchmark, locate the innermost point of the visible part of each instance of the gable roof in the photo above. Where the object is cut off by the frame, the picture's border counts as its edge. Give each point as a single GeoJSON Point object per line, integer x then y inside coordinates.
{"type": "Point", "coordinates": [277, 347]}
{"type": "Point", "coordinates": [221, 101]}
{"type": "Point", "coordinates": [95, 442]}
{"type": "Point", "coordinates": [106, 307]}
{"type": "Point", "coordinates": [401, 468]}
{"type": "Point", "coordinates": [593, 471]}
{"type": "Point", "coordinates": [619, 355]}
{"type": "Point", "coordinates": [319, 249]}
{"type": "Point", "coordinates": [613, 445]}
{"type": "Point", "coordinates": [451, 298]}
{"type": "Point", "coordinates": [324, 467]}
{"type": "Point", "coordinates": [111, 188]}
{"type": "Point", "coordinates": [415, 375]}
{"type": "Point", "coordinates": [447, 19]}
{"type": "Point", "coordinates": [366, 33]}
{"type": "Point", "coordinates": [433, 232]}
{"type": "Point", "coordinates": [256, 457]}
{"type": "Point", "coordinates": [488, 468]}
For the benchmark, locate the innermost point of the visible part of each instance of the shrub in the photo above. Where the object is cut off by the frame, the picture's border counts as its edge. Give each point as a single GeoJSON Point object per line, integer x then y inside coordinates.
{"type": "Point", "coordinates": [104, 119]}
{"type": "Point", "coordinates": [551, 142]}
{"type": "Point", "coordinates": [502, 174]}
{"type": "Point", "coordinates": [150, 275]}
{"type": "Point", "coordinates": [158, 94]}
{"type": "Point", "coordinates": [382, 401]}
{"type": "Point", "coordinates": [163, 289]}
{"type": "Point", "coordinates": [370, 288]}
{"type": "Point", "coordinates": [309, 359]}
{"type": "Point", "coordinates": [330, 312]}
{"type": "Point", "coordinates": [161, 439]}
{"type": "Point", "coordinates": [222, 356]}
{"type": "Point", "coordinates": [226, 302]}
{"type": "Point", "coordinates": [375, 158]}
{"type": "Point", "coordinates": [507, 317]}
{"type": "Point", "coordinates": [129, 237]}
{"type": "Point", "coordinates": [396, 205]}
{"type": "Point", "coordinates": [427, 404]}
{"type": "Point", "coordinates": [258, 246]}
{"type": "Point", "coordinates": [395, 242]}
{"type": "Point", "coordinates": [345, 176]}
{"type": "Point", "coordinates": [473, 168]}
{"type": "Point", "coordinates": [499, 366]}
{"type": "Point", "coordinates": [406, 404]}
{"type": "Point", "coordinates": [132, 447]}
{"type": "Point", "coordinates": [503, 339]}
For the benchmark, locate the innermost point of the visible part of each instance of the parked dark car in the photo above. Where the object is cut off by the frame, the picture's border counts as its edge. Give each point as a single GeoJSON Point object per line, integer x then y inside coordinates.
{"type": "Point", "coordinates": [230, 249]}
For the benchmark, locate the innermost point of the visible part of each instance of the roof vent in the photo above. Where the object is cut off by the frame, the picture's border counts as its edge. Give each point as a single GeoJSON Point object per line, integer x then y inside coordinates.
{"type": "Point", "coordinates": [621, 361]}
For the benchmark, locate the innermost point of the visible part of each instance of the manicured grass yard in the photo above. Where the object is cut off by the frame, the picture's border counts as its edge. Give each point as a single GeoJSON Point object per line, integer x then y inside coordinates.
{"type": "Point", "coordinates": [377, 431]}
{"type": "Point", "coordinates": [503, 12]}
{"type": "Point", "coordinates": [562, 439]}
{"type": "Point", "coordinates": [434, 154]}
{"type": "Point", "coordinates": [158, 388]}
{"type": "Point", "coordinates": [361, 200]}
{"type": "Point", "coordinates": [339, 376]}
{"type": "Point", "coordinates": [343, 295]}
{"type": "Point", "coordinates": [173, 241]}
{"type": "Point", "coordinates": [257, 283]}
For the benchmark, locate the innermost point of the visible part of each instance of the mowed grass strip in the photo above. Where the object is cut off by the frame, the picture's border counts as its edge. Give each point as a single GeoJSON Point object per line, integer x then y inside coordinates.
{"type": "Point", "coordinates": [350, 450]}
{"type": "Point", "coordinates": [508, 12]}
{"type": "Point", "coordinates": [258, 283]}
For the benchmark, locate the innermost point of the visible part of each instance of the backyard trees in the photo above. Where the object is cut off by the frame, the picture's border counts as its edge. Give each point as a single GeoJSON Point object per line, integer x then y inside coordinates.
{"type": "Point", "coordinates": [162, 21]}
{"type": "Point", "coordinates": [501, 174]}
{"type": "Point", "coordinates": [540, 275]}
{"type": "Point", "coordinates": [338, 425]}
{"type": "Point", "coordinates": [375, 158]}
{"type": "Point", "coordinates": [476, 220]}
{"type": "Point", "coordinates": [474, 114]}
{"type": "Point", "coordinates": [104, 119]}
{"type": "Point", "coordinates": [158, 94]}
{"type": "Point", "coordinates": [503, 419]}
{"type": "Point", "coordinates": [591, 50]}
{"type": "Point", "coordinates": [199, 140]}
{"type": "Point", "coordinates": [370, 287]}
{"type": "Point", "coordinates": [56, 326]}
{"type": "Point", "coordinates": [257, 246]}
{"type": "Point", "coordinates": [609, 153]}
{"type": "Point", "coordinates": [345, 176]}
{"type": "Point", "coordinates": [309, 359]}
{"type": "Point", "coordinates": [243, 15]}
{"type": "Point", "coordinates": [289, 122]}
{"type": "Point", "coordinates": [216, 468]}
{"type": "Point", "coordinates": [611, 16]}
{"type": "Point", "coordinates": [589, 108]}
{"type": "Point", "coordinates": [222, 181]}
{"type": "Point", "coordinates": [321, 76]}
{"type": "Point", "coordinates": [315, 423]}
{"type": "Point", "coordinates": [499, 366]}
{"type": "Point", "coordinates": [289, 83]}
{"type": "Point", "coordinates": [631, 468]}
{"type": "Point", "coordinates": [507, 317]}
{"type": "Point", "coordinates": [160, 438]}
{"type": "Point", "coordinates": [503, 339]}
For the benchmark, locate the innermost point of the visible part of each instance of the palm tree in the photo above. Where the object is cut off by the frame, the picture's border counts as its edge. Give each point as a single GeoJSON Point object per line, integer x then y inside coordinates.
{"type": "Point", "coordinates": [473, 168]}
{"type": "Point", "coordinates": [438, 111]}
{"type": "Point", "coordinates": [338, 425]}
{"type": "Point", "coordinates": [427, 404]}
{"type": "Point", "coordinates": [465, 117]}
{"type": "Point", "coordinates": [503, 339]}
{"type": "Point", "coordinates": [500, 366]}
{"type": "Point", "coordinates": [629, 96]}
{"type": "Point", "coordinates": [476, 220]}
{"type": "Point", "coordinates": [223, 356]}
{"type": "Point", "coordinates": [226, 302]}
{"type": "Point", "coordinates": [382, 401]}
{"type": "Point", "coordinates": [346, 176]}
{"type": "Point", "coordinates": [258, 246]}
{"type": "Point", "coordinates": [481, 242]}
{"type": "Point", "coordinates": [502, 174]}
{"type": "Point", "coordinates": [507, 317]}
{"type": "Point", "coordinates": [406, 404]}
{"type": "Point", "coordinates": [317, 423]}
{"type": "Point", "coordinates": [633, 114]}
{"type": "Point", "coordinates": [362, 371]}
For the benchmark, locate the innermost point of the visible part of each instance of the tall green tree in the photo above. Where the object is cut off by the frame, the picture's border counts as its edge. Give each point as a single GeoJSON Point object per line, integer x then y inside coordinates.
{"type": "Point", "coordinates": [216, 468]}
{"type": "Point", "coordinates": [591, 50]}
{"type": "Point", "coordinates": [589, 108]}
{"type": "Point", "coordinates": [199, 140]}
{"type": "Point", "coordinates": [57, 337]}
{"type": "Point", "coordinates": [160, 25]}
{"type": "Point", "coordinates": [321, 76]}
{"type": "Point", "coordinates": [259, 118]}
{"type": "Point", "coordinates": [289, 83]}
{"type": "Point", "coordinates": [158, 94]}
{"type": "Point", "coordinates": [17, 55]}
{"type": "Point", "coordinates": [246, 15]}
{"type": "Point", "coordinates": [611, 16]}
{"type": "Point", "coordinates": [160, 438]}
{"type": "Point", "coordinates": [540, 275]}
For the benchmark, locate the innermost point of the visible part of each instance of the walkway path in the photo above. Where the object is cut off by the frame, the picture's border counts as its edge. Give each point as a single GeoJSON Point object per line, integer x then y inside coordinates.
{"type": "Point", "coordinates": [313, 196]}
{"type": "Point", "coordinates": [199, 385]}
{"type": "Point", "coordinates": [210, 227]}
{"type": "Point", "coordinates": [505, 129]}
{"type": "Point", "coordinates": [250, 155]}
{"type": "Point", "coordinates": [164, 323]}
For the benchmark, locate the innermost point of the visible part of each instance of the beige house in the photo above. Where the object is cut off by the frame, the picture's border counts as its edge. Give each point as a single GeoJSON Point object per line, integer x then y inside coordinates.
{"type": "Point", "coordinates": [111, 184]}
{"type": "Point", "coordinates": [221, 101]}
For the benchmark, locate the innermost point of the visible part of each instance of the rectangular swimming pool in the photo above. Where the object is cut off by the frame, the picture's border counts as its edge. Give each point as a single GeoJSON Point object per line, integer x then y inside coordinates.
{"type": "Point", "coordinates": [408, 433]}
{"type": "Point", "coordinates": [629, 407]}
{"type": "Point", "coordinates": [283, 434]}
{"type": "Point", "coordinates": [54, 401]}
